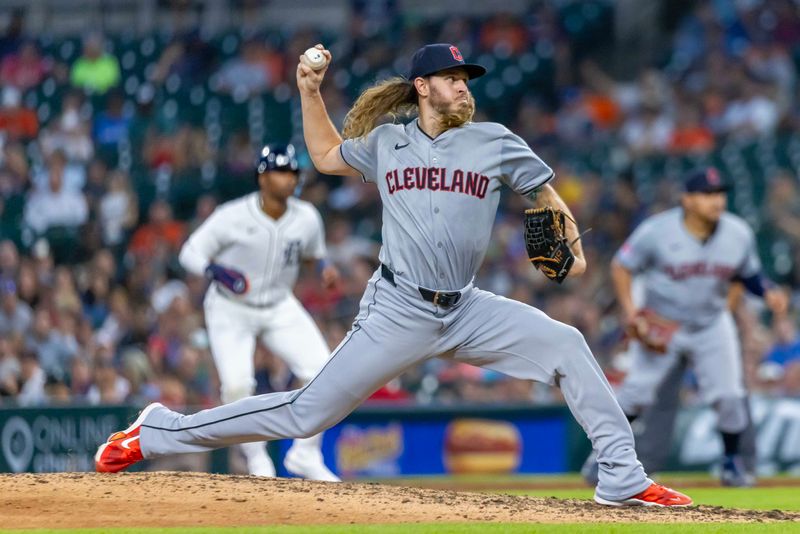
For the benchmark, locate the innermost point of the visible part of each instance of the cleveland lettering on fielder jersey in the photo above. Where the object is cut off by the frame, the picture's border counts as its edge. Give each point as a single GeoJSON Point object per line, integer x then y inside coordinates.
{"type": "Point", "coordinates": [685, 279]}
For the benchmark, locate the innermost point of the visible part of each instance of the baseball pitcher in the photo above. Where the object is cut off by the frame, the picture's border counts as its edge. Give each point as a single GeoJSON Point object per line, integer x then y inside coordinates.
{"type": "Point", "coordinates": [251, 249]}
{"type": "Point", "coordinates": [687, 258]}
{"type": "Point", "coordinates": [439, 178]}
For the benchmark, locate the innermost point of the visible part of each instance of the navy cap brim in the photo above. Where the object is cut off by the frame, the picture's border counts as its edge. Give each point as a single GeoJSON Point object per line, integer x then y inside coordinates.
{"type": "Point", "coordinates": [715, 189]}
{"type": "Point", "coordinates": [473, 70]}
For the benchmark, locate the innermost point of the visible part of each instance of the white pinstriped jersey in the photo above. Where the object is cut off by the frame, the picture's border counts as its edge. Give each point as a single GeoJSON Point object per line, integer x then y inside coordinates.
{"type": "Point", "coordinates": [241, 236]}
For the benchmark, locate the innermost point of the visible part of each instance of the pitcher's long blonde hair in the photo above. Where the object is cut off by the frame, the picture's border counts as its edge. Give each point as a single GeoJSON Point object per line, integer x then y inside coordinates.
{"type": "Point", "coordinates": [395, 97]}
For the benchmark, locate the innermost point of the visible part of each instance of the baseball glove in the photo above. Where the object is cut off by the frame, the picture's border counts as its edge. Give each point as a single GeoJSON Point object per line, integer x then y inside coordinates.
{"type": "Point", "coordinates": [546, 242]}
{"type": "Point", "coordinates": [652, 330]}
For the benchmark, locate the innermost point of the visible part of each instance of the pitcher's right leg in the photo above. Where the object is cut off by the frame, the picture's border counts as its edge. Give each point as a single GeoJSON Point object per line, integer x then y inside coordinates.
{"type": "Point", "coordinates": [386, 339]}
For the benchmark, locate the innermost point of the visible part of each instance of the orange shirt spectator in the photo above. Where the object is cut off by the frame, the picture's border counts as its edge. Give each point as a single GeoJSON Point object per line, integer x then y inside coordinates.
{"type": "Point", "coordinates": [602, 109]}
{"type": "Point", "coordinates": [504, 31]}
{"type": "Point", "coordinates": [275, 65]}
{"type": "Point", "coordinates": [690, 134]}
{"type": "Point", "coordinates": [692, 139]}
{"type": "Point", "coordinates": [17, 122]}
{"type": "Point", "coordinates": [160, 234]}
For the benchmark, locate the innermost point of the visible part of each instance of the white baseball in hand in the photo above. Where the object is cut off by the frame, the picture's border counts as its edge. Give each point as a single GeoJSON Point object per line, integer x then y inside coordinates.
{"type": "Point", "coordinates": [316, 59]}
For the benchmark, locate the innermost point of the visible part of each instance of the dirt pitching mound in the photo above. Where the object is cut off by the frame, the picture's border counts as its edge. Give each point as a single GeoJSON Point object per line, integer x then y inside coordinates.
{"type": "Point", "coordinates": [83, 500]}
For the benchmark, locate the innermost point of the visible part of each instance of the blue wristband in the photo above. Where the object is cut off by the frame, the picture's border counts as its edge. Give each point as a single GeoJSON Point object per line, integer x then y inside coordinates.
{"type": "Point", "coordinates": [322, 264]}
{"type": "Point", "coordinates": [757, 284]}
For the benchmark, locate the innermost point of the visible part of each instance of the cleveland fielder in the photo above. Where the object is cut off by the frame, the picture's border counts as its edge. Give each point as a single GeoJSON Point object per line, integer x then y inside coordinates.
{"type": "Point", "coordinates": [439, 178]}
{"type": "Point", "coordinates": [686, 259]}
{"type": "Point", "coordinates": [251, 248]}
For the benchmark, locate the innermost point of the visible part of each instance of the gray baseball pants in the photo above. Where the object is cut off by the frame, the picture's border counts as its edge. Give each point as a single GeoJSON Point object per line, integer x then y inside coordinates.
{"type": "Point", "coordinates": [715, 355]}
{"type": "Point", "coordinates": [395, 330]}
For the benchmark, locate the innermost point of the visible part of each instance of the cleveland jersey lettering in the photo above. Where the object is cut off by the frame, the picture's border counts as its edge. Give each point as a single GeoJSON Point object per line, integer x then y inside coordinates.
{"type": "Point", "coordinates": [700, 268]}
{"type": "Point", "coordinates": [425, 184]}
{"type": "Point", "coordinates": [437, 179]}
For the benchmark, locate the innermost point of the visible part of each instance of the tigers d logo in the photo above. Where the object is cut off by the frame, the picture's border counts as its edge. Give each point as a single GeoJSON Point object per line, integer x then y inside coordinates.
{"type": "Point", "coordinates": [456, 53]}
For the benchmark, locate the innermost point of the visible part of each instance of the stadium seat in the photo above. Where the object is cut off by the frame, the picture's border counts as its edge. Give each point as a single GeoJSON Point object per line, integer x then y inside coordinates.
{"type": "Point", "coordinates": [11, 217]}
{"type": "Point", "coordinates": [64, 243]}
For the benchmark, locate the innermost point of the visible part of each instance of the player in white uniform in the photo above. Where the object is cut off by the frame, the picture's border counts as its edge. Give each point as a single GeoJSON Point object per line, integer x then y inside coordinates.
{"type": "Point", "coordinates": [439, 178]}
{"type": "Point", "coordinates": [251, 248]}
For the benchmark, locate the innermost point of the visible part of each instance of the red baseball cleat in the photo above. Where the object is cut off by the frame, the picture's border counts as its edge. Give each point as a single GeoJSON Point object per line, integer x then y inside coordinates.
{"type": "Point", "coordinates": [122, 449]}
{"type": "Point", "coordinates": [655, 495]}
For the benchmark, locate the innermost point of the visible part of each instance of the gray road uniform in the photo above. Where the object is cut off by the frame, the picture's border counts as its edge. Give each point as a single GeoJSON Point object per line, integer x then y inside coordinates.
{"type": "Point", "coordinates": [688, 280]}
{"type": "Point", "coordinates": [439, 198]}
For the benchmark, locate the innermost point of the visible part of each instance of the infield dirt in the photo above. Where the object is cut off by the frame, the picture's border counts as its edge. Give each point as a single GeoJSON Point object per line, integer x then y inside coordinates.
{"type": "Point", "coordinates": [85, 500]}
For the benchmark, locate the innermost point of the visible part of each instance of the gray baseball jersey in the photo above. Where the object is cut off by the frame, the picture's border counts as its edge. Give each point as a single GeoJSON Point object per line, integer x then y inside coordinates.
{"type": "Point", "coordinates": [685, 279]}
{"type": "Point", "coordinates": [688, 280]}
{"type": "Point", "coordinates": [440, 195]}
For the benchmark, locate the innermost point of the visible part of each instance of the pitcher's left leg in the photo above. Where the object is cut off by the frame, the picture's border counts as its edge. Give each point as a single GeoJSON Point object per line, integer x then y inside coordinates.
{"type": "Point", "coordinates": [523, 342]}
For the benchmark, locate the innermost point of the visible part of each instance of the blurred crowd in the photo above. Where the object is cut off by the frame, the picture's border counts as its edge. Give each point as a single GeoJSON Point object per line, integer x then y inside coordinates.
{"type": "Point", "coordinates": [97, 196]}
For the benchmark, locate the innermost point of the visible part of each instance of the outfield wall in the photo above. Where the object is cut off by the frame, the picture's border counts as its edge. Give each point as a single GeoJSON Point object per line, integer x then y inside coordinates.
{"type": "Point", "coordinates": [391, 441]}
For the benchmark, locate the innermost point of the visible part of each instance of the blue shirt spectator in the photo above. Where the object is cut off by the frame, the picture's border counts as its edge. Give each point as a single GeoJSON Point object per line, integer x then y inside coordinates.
{"type": "Point", "coordinates": [787, 347]}
{"type": "Point", "coordinates": [112, 124]}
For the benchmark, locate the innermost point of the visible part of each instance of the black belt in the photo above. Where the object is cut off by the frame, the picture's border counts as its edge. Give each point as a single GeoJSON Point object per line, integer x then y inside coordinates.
{"type": "Point", "coordinates": [444, 299]}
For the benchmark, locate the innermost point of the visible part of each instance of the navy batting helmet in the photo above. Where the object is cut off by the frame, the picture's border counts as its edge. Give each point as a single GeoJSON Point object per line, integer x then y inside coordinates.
{"type": "Point", "coordinates": [277, 157]}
